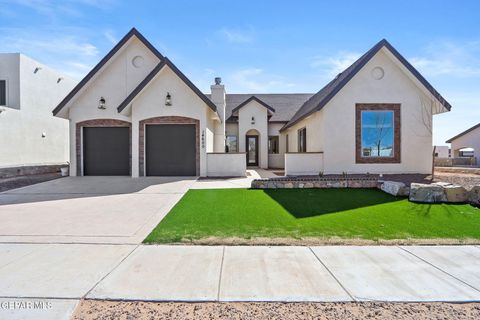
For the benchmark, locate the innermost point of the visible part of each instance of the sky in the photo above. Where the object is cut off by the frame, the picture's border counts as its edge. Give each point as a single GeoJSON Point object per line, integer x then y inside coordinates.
{"type": "Point", "coordinates": [263, 46]}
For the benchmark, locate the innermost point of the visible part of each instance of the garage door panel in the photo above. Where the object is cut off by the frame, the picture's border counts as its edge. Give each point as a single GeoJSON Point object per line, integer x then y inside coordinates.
{"type": "Point", "coordinates": [106, 151]}
{"type": "Point", "coordinates": [170, 150]}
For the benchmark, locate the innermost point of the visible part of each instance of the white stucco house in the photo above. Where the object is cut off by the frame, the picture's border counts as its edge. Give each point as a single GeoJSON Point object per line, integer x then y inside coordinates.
{"type": "Point", "coordinates": [136, 114]}
{"type": "Point", "coordinates": [31, 139]}
{"type": "Point", "coordinates": [467, 143]}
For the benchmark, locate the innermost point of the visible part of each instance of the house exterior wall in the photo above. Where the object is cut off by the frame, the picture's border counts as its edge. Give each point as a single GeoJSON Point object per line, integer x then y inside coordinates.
{"type": "Point", "coordinates": [30, 134]}
{"type": "Point", "coordinates": [442, 151]}
{"type": "Point", "coordinates": [334, 125]}
{"type": "Point", "coordinates": [277, 161]}
{"type": "Point", "coordinates": [245, 114]}
{"type": "Point", "coordinates": [468, 140]}
{"type": "Point", "coordinates": [115, 82]}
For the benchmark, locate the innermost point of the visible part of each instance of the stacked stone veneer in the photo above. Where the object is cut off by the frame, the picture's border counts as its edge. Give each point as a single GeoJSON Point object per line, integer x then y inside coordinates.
{"type": "Point", "coordinates": [315, 182]}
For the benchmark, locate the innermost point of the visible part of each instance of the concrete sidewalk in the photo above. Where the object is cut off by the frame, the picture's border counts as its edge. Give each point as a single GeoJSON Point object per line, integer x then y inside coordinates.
{"type": "Point", "coordinates": [217, 273]}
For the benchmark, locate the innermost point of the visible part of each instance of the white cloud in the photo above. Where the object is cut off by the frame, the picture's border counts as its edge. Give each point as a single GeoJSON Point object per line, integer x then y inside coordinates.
{"type": "Point", "coordinates": [52, 8]}
{"type": "Point", "coordinates": [256, 80]}
{"type": "Point", "coordinates": [72, 55]}
{"type": "Point", "coordinates": [333, 65]}
{"type": "Point", "coordinates": [449, 58]}
{"type": "Point", "coordinates": [238, 36]}
{"type": "Point", "coordinates": [110, 35]}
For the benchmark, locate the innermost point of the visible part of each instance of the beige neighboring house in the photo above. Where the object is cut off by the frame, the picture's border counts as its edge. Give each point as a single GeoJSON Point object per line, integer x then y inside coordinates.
{"type": "Point", "coordinates": [31, 139]}
{"type": "Point", "coordinates": [467, 143]}
{"type": "Point", "coordinates": [137, 114]}
{"type": "Point", "coordinates": [442, 151]}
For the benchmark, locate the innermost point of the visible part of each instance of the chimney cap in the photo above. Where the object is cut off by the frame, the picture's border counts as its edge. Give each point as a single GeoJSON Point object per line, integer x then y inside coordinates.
{"type": "Point", "coordinates": [218, 81]}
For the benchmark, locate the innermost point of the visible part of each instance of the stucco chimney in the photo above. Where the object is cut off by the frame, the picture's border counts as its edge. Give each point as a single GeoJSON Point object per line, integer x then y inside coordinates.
{"type": "Point", "coordinates": [218, 97]}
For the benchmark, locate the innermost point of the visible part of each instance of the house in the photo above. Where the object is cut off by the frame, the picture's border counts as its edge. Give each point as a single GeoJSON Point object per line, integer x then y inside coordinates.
{"type": "Point", "coordinates": [467, 143]}
{"type": "Point", "coordinates": [442, 152]}
{"type": "Point", "coordinates": [137, 114]}
{"type": "Point", "coordinates": [31, 139]}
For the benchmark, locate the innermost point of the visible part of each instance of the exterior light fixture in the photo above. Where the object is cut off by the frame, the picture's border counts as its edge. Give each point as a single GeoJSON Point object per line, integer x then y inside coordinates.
{"type": "Point", "coordinates": [168, 99]}
{"type": "Point", "coordinates": [101, 104]}
{"type": "Point", "coordinates": [203, 139]}
{"type": "Point", "coordinates": [37, 69]}
{"type": "Point", "coordinates": [59, 79]}
{"type": "Point", "coordinates": [253, 120]}
{"type": "Point", "coordinates": [2, 110]}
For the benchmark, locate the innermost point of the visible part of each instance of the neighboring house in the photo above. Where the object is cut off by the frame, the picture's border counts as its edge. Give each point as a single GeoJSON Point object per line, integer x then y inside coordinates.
{"type": "Point", "coordinates": [442, 152]}
{"type": "Point", "coordinates": [136, 114]}
{"type": "Point", "coordinates": [31, 139]}
{"type": "Point", "coordinates": [467, 143]}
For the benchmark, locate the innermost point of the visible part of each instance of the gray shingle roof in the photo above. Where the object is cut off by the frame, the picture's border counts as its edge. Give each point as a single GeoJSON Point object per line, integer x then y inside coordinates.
{"type": "Point", "coordinates": [285, 104]}
{"type": "Point", "coordinates": [322, 97]}
{"type": "Point", "coordinates": [463, 133]}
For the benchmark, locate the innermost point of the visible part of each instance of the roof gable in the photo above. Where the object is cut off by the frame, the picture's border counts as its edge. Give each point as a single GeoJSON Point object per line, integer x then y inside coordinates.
{"type": "Point", "coordinates": [142, 85]}
{"type": "Point", "coordinates": [322, 97]}
{"type": "Point", "coordinates": [463, 133]}
{"type": "Point", "coordinates": [253, 98]}
{"type": "Point", "coordinates": [133, 32]}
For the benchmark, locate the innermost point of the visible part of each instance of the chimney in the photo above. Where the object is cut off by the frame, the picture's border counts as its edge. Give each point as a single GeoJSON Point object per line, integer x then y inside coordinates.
{"type": "Point", "coordinates": [218, 97]}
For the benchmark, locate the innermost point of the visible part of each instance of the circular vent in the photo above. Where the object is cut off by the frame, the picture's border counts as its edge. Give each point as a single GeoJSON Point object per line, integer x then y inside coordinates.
{"type": "Point", "coordinates": [137, 62]}
{"type": "Point", "coordinates": [378, 73]}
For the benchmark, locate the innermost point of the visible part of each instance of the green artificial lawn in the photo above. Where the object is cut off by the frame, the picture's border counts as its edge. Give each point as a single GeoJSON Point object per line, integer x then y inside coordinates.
{"type": "Point", "coordinates": [298, 213]}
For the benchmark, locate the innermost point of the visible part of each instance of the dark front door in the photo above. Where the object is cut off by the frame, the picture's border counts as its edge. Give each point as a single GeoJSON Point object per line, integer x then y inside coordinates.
{"type": "Point", "coordinates": [106, 151]}
{"type": "Point", "coordinates": [252, 150]}
{"type": "Point", "coordinates": [170, 150]}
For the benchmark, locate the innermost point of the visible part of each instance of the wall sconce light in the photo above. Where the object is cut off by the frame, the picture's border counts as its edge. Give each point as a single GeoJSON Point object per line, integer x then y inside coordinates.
{"type": "Point", "coordinates": [44, 134]}
{"type": "Point", "coordinates": [101, 104]}
{"type": "Point", "coordinates": [203, 139]}
{"type": "Point", "coordinates": [2, 110]}
{"type": "Point", "coordinates": [168, 99]}
{"type": "Point", "coordinates": [37, 69]}
{"type": "Point", "coordinates": [59, 79]}
{"type": "Point", "coordinates": [253, 120]}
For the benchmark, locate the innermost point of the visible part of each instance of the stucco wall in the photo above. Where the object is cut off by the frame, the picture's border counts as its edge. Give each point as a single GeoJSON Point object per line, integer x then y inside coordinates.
{"type": "Point", "coordinates": [245, 114]}
{"type": "Point", "coordinates": [226, 164]}
{"type": "Point", "coordinates": [31, 98]}
{"type": "Point", "coordinates": [335, 125]}
{"type": "Point", "coordinates": [277, 161]}
{"type": "Point", "coordinates": [469, 140]}
{"type": "Point", "coordinates": [303, 163]}
{"type": "Point", "coordinates": [118, 78]}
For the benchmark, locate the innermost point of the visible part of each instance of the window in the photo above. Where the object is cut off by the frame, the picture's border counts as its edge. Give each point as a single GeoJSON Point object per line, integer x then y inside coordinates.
{"type": "Point", "coordinates": [231, 144]}
{"type": "Point", "coordinates": [3, 92]}
{"type": "Point", "coordinates": [377, 133]}
{"type": "Point", "coordinates": [273, 144]}
{"type": "Point", "coordinates": [302, 140]}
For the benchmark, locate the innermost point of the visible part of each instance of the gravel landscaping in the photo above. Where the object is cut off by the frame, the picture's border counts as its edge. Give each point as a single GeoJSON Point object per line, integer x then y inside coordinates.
{"type": "Point", "coordinates": [90, 309]}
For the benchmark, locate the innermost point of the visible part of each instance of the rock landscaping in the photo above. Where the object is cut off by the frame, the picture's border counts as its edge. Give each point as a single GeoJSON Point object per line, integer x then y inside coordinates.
{"type": "Point", "coordinates": [439, 192]}
{"type": "Point", "coordinates": [341, 181]}
{"type": "Point", "coordinates": [395, 188]}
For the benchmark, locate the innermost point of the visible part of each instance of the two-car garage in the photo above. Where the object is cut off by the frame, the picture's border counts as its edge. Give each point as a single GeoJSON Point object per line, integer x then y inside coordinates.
{"type": "Point", "coordinates": [169, 150]}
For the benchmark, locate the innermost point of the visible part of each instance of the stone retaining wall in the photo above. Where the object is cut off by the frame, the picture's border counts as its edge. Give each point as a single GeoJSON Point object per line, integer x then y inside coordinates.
{"type": "Point", "coordinates": [314, 182]}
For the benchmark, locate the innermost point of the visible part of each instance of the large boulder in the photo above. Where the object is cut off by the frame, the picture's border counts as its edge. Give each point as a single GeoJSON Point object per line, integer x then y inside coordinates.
{"type": "Point", "coordinates": [455, 193]}
{"type": "Point", "coordinates": [474, 196]}
{"type": "Point", "coordinates": [395, 188]}
{"type": "Point", "coordinates": [428, 193]}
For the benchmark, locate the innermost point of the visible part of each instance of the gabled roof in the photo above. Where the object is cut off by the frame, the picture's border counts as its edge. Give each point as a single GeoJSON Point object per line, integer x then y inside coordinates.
{"type": "Point", "coordinates": [252, 98]}
{"type": "Point", "coordinates": [463, 133]}
{"type": "Point", "coordinates": [153, 73]}
{"type": "Point", "coordinates": [285, 104]}
{"type": "Point", "coordinates": [118, 46]}
{"type": "Point", "coordinates": [322, 97]}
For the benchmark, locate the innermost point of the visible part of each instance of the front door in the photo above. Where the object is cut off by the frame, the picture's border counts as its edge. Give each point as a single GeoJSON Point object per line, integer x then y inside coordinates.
{"type": "Point", "coordinates": [252, 151]}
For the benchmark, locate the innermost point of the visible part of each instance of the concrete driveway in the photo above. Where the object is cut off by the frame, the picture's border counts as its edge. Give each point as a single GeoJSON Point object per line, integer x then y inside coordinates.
{"type": "Point", "coordinates": [88, 209]}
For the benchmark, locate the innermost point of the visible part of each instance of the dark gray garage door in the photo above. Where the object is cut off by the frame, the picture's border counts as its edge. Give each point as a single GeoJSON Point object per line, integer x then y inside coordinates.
{"type": "Point", "coordinates": [170, 150]}
{"type": "Point", "coordinates": [106, 151]}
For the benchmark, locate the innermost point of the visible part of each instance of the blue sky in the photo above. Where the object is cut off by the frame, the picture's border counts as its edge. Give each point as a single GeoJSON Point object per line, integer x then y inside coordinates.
{"type": "Point", "coordinates": [263, 46]}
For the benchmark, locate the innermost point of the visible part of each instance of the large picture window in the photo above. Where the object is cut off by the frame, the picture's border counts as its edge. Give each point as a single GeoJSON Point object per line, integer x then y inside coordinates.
{"type": "Point", "coordinates": [231, 144]}
{"type": "Point", "coordinates": [378, 133]}
{"type": "Point", "coordinates": [273, 144]}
